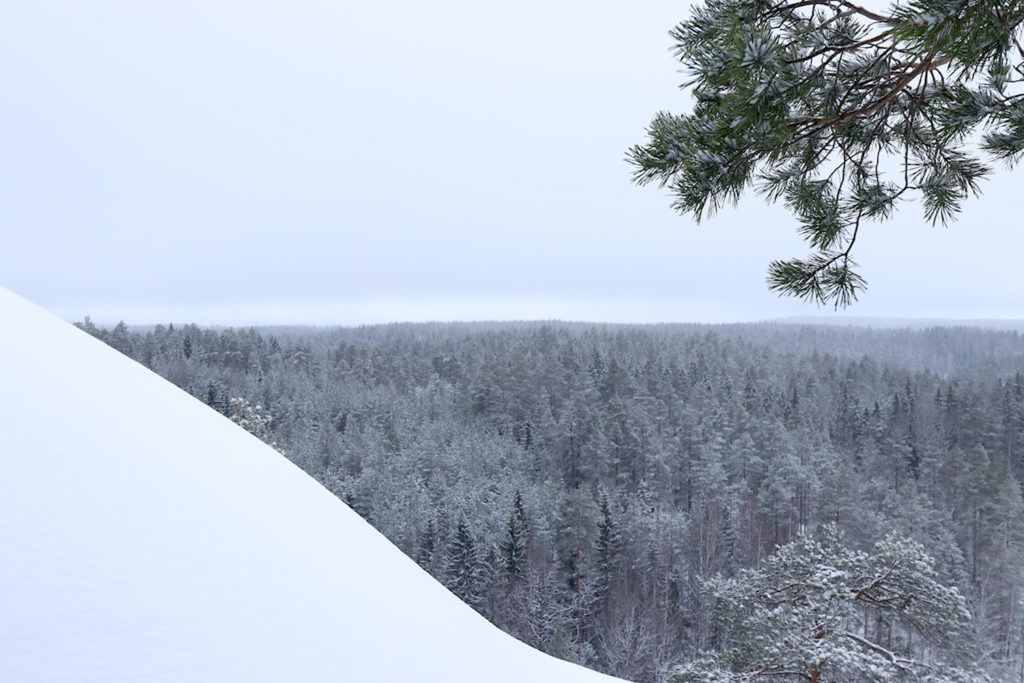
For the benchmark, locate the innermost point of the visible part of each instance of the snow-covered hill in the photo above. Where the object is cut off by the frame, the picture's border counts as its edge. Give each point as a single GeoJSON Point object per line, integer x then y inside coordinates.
{"type": "Point", "coordinates": [144, 537]}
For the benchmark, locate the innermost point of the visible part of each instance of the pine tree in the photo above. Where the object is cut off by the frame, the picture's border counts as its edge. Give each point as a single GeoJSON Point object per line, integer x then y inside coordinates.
{"type": "Point", "coordinates": [819, 611]}
{"type": "Point", "coordinates": [253, 419]}
{"type": "Point", "coordinates": [840, 112]}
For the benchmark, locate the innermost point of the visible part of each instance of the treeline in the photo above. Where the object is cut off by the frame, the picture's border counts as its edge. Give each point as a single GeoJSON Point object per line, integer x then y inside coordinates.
{"type": "Point", "coordinates": [578, 484]}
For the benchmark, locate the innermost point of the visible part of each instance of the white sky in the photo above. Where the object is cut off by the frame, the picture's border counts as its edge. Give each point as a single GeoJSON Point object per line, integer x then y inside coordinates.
{"type": "Point", "coordinates": [343, 162]}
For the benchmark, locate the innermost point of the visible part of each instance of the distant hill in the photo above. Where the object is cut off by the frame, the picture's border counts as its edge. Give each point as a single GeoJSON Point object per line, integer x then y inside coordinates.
{"type": "Point", "coordinates": [907, 323]}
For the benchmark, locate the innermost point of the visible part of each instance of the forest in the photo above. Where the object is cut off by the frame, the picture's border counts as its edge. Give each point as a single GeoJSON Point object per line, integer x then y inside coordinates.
{"type": "Point", "coordinates": [597, 490]}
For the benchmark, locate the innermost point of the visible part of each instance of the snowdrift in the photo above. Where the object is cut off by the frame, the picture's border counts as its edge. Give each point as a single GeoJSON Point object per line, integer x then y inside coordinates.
{"type": "Point", "coordinates": [145, 537]}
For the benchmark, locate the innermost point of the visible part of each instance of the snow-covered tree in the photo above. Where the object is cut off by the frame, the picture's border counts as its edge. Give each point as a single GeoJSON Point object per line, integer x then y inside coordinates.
{"type": "Point", "coordinates": [713, 446]}
{"type": "Point", "coordinates": [607, 547]}
{"type": "Point", "coordinates": [465, 572]}
{"type": "Point", "coordinates": [253, 419]}
{"type": "Point", "coordinates": [512, 548]}
{"type": "Point", "coordinates": [819, 611]}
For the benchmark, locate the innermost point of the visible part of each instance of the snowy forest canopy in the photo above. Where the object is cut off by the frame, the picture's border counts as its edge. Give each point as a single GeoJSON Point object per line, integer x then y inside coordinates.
{"type": "Point", "coordinates": [591, 489]}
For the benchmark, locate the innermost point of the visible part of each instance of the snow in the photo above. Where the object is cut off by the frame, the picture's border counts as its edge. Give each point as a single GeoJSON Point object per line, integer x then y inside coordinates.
{"type": "Point", "coordinates": [145, 537]}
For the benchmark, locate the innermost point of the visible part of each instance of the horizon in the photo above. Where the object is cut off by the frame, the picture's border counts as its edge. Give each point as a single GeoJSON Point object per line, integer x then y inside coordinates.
{"type": "Point", "coordinates": [865, 322]}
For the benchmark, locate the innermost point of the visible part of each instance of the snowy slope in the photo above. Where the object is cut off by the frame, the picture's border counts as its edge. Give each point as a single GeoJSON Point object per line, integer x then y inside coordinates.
{"type": "Point", "coordinates": [145, 537]}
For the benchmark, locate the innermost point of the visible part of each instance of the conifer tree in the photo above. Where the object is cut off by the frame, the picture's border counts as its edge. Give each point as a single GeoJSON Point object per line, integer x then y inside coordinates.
{"type": "Point", "coordinates": [608, 545]}
{"type": "Point", "coordinates": [513, 546]}
{"type": "Point", "coordinates": [253, 419]}
{"type": "Point", "coordinates": [840, 112]}
{"type": "Point", "coordinates": [819, 611]}
{"type": "Point", "coordinates": [426, 545]}
{"type": "Point", "coordinates": [464, 572]}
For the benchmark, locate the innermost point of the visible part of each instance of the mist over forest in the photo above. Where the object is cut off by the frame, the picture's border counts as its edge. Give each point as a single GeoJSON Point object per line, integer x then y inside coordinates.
{"type": "Point", "coordinates": [586, 487]}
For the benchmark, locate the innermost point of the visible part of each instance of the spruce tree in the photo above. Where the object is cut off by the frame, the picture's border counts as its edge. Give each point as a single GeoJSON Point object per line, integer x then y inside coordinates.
{"type": "Point", "coordinates": [426, 545]}
{"type": "Point", "coordinates": [464, 572]}
{"type": "Point", "coordinates": [513, 546]}
{"type": "Point", "coordinates": [608, 545]}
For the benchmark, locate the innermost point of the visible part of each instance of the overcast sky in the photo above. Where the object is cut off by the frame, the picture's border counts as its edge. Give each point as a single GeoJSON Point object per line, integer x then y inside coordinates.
{"type": "Point", "coordinates": [355, 162]}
